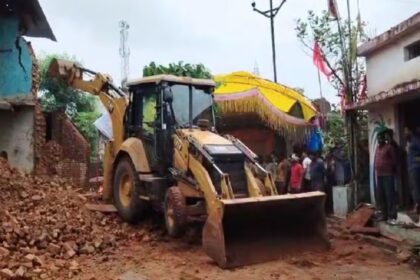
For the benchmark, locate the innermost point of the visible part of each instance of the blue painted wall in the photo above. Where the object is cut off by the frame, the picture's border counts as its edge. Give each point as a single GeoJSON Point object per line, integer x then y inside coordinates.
{"type": "Point", "coordinates": [15, 61]}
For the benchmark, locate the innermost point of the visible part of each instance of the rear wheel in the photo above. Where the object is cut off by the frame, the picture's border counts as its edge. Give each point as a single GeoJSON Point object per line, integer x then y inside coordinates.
{"type": "Point", "coordinates": [126, 192]}
{"type": "Point", "coordinates": [175, 212]}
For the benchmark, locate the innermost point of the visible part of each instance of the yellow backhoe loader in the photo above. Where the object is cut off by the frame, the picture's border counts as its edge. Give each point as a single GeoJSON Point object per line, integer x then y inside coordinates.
{"type": "Point", "coordinates": [166, 155]}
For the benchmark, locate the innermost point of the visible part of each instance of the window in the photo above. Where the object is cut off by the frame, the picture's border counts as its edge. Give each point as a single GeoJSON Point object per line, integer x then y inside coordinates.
{"type": "Point", "coordinates": [149, 112]}
{"type": "Point", "coordinates": [412, 51]}
{"type": "Point", "coordinates": [181, 103]}
{"type": "Point", "coordinates": [202, 106]}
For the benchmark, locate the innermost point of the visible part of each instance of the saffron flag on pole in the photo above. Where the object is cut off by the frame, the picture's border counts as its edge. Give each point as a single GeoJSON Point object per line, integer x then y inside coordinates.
{"type": "Point", "coordinates": [333, 9]}
{"type": "Point", "coordinates": [319, 61]}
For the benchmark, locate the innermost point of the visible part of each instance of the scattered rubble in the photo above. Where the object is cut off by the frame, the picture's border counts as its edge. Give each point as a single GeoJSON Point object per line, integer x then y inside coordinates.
{"type": "Point", "coordinates": [45, 227]}
{"type": "Point", "coordinates": [358, 220]}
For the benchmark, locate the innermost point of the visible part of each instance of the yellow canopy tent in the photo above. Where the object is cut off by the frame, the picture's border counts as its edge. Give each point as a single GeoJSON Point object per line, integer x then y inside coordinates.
{"type": "Point", "coordinates": [243, 92]}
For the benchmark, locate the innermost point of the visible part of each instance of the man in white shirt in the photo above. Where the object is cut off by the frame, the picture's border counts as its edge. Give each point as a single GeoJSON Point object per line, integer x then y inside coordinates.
{"type": "Point", "coordinates": [306, 163]}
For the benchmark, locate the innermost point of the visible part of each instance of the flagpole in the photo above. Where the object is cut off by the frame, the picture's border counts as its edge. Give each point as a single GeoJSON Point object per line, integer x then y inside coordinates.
{"type": "Point", "coordinates": [320, 93]}
{"type": "Point", "coordinates": [319, 83]}
{"type": "Point", "coordinates": [350, 82]}
{"type": "Point", "coordinates": [351, 116]}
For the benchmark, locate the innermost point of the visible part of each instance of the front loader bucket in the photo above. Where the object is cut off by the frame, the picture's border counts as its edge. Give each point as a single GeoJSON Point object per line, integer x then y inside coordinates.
{"type": "Point", "coordinates": [253, 230]}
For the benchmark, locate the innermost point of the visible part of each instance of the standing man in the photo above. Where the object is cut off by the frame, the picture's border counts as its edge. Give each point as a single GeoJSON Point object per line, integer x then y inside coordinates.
{"type": "Point", "coordinates": [306, 163]}
{"type": "Point", "coordinates": [317, 172]}
{"type": "Point", "coordinates": [330, 181]}
{"type": "Point", "coordinates": [281, 178]}
{"type": "Point", "coordinates": [296, 175]}
{"type": "Point", "coordinates": [414, 167]}
{"type": "Point", "coordinates": [385, 167]}
{"type": "Point", "coordinates": [272, 166]}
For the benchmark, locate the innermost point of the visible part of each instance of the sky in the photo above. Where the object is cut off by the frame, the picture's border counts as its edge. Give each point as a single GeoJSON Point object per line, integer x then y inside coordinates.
{"type": "Point", "coordinates": [224, 35]}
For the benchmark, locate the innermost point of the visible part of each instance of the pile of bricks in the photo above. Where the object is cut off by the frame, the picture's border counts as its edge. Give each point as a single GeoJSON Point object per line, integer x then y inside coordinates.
{"type": "Point", "coordinates": [46, 228]}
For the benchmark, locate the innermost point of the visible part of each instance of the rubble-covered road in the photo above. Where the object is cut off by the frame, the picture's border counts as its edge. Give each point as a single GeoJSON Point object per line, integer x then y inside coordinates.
{"type": "Point", "coordinates": [47, 233]}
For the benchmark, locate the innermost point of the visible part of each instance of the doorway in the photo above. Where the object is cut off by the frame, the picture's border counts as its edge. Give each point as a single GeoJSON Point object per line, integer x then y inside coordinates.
{"type": "Point", "coordinates": [409, 118]}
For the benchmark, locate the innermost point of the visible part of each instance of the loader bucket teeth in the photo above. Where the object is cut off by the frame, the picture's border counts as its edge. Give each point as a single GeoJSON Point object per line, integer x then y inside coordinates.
{"type": "Point", "coordinates": [253, 230]}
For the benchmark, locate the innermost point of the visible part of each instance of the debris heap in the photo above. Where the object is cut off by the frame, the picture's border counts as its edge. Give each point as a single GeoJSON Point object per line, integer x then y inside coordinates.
{"type": "Point", "coordinates": [45, 227]}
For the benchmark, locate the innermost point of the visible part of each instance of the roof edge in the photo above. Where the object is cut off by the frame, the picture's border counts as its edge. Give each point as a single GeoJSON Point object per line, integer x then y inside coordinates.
{"type": "Point", "coordinates": [404, 28]}
{"type": "Point", "coordinates": [171, 79]}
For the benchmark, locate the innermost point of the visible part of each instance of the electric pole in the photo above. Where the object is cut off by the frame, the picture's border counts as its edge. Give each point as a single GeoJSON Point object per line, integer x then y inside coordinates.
{"type": "Point", "coordinates": [124, 52]}
{"type": "Point", "coordinates": [271, 13]}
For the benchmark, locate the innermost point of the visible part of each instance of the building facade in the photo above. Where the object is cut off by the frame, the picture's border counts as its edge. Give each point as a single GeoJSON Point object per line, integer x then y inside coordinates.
{"type": "Point", "coordinates": [19, 79]}
{"type": "Point", "coordinates": [393, 99]}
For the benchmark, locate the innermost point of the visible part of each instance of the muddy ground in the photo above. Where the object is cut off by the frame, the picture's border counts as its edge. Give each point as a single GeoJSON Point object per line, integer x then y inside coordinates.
{"type": "Point", "coordinates": [176, 259]}
{"type": "Point", "coordinates": [47, 232]}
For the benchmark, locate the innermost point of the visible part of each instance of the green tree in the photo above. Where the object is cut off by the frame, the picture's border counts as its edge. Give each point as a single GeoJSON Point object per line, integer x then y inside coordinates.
{"type": "Point", "coordinates": [198, 71]}
{"type": "Point", "coordinates": [56, 95]}
{"type": "Point", "coordinates": [338, 40]}
{"type": "Point", "coordinates": [84, 122]}
{"type": "Point", "coordinates": [80, 107]}
{"type": "Point", "coordinates": [335, 133]}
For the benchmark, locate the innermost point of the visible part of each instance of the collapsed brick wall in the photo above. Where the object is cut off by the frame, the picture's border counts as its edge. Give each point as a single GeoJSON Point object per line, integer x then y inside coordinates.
{"type": "Point", "coordinates": [66, 153]}
{"type": "Point", "coordinates": [39, 138]}
{"type": "Point", "coordinates": [39, 120]}
{"type": "Point", "coordinates": [75, 146]}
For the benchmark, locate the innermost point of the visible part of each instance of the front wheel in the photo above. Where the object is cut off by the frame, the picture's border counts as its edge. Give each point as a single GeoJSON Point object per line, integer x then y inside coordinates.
{"type": "Point", "coordinates": [126, 192]}
{"type": "Point", "coordinates": [175, 212]}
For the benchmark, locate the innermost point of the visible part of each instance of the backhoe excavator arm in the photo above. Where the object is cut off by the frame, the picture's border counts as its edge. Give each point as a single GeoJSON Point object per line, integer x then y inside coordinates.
{"type": "Point", "coordinates": [114, 100]}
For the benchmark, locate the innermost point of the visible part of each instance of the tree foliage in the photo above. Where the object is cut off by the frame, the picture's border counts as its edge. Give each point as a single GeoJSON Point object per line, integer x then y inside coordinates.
{"type": "Point", "coordinates": [56, 95]}
{"type": "Point", "coordinates": [198, 71]}
{"type": "Point", "coordinates": [338, 41]}
{"type": "Point", "coordinates": [335, 133]}
{"type": "Point", "coordinates": [80, 107]}
{"type": "Point", "coordinates": [84, 122]}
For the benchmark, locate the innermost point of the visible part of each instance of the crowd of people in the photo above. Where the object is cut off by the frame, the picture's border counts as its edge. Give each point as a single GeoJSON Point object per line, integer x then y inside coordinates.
{"type": "Point", "coordinates": [308, 172]}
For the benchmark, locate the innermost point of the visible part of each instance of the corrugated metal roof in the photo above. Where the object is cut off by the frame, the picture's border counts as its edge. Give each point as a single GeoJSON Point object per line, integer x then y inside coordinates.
{"type": "Point", "coordinates": [32, 17]}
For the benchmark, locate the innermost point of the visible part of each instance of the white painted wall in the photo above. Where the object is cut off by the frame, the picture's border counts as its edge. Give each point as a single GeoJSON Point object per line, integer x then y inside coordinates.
{"type": "Point", "coordinates": [387, 67]}
{"type": "Point", "coordinates": [16, 137]}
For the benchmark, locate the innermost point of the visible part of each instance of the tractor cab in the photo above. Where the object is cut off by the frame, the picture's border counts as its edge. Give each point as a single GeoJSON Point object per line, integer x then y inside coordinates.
{"type": "Point", "coordinates": [162, 103]}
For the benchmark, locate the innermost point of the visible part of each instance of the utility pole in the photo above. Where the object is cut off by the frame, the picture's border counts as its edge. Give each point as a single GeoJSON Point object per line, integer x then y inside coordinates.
{"type": "Point", "coordinates": [271, 13]}
{"type": "Point", "coordinates": [124, 53]}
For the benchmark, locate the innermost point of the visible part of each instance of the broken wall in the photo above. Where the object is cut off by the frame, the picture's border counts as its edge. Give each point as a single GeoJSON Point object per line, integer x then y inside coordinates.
{"type": "Point", "coordinates": [16, 137]}
{"type": "Point", "coordinates": [64, 152]}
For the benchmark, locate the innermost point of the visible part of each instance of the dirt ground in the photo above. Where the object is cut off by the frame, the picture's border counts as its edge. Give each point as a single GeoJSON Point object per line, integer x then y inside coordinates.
{"type": "Point", "coordinates": [175, 259]}
{"type": "Point", "coordinates": [47, 232]}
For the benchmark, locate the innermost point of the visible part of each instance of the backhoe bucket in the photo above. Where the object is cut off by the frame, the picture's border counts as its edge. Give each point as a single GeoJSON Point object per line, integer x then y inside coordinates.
{"type": "Point", "coordinates": [252, 230]}
{"type": "Point", "coordinates": [63, 69]}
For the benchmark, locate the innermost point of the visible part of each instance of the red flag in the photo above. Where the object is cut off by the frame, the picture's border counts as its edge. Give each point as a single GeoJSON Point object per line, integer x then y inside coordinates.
{"type": "Point", "coordinates": [333, 9]}
{"type": "Point", "coordinates": [319, 61]}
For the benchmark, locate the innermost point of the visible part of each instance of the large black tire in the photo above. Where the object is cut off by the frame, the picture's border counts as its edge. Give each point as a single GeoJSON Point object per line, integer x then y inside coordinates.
{"type": "Point", "coordinates": [175, 212]}
{"type": "Point", "coordinates": [127, 189]}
